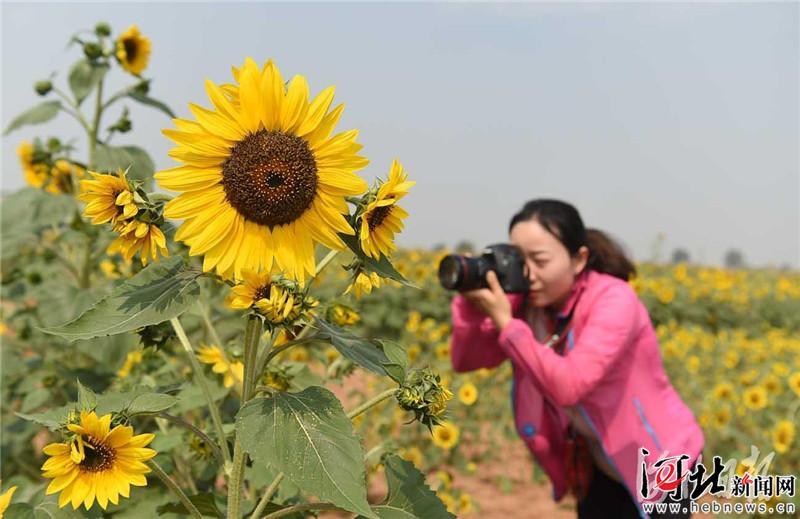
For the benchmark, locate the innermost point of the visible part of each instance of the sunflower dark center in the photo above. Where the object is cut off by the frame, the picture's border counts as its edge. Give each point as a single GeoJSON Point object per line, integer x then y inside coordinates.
{"type": "Point", "coordinates": [98, 456]}
{"type": "Point", "coordinates": [262, 293]}
{"type": "Point", "coordinates": [270, 177]}
{"type": "Point", "coordinates": [376, 216]}
{"type": "Point", "coordinates": [131, 48]}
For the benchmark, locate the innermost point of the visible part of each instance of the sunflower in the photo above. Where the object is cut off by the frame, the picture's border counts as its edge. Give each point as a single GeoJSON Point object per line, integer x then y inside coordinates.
{"type": "Point", "coordinates": [109, 198]}
{"type": "Point", "coordinates": [97, 463]}
{"type": "Point", "coordinates": [363, 284]}
{"type": "Point", "coordinates": [35, 173]}
{"type": "Point", "coordinates": [232, 372]}
{"type": "Point", "coordinates": [723, 391]}
{"type": "Point", "coordinates": [278, 303]}
{"type": "Point", "coordinates": [133, 358]}
{"type": "Point", "coordinates": [133, 50]}
{"type": "Point", "coordinates": [61, 175]}
{"type": "Point", "coordinates": [262, 177]}
{"type": "Point", "coordinates": [794, 382]}
{"type": "Point", "coordinates": [721, 417]}
{"type": "Point", "coordinates": [783, 436]}
{"type": "Point", "coordinates": [445, 435]}
{"type": "Point", "coordinates": [382, 217]}
{"type": "Point", "coordinates": [5, 499]}
{"type": "Point", "coordinates": [342, 315]}
{"type": "Point", "coordinates": [465, 504]}
{"type": "Point", "coordinates": [755, 398]}
{"type": "Point", "coordinates": [468, 394]}
{"type": "Point", "coordinates": [136, 236]}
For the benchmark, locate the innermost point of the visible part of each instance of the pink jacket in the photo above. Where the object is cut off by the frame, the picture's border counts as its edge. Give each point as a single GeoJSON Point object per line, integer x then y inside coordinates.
{"type": "Point", "coordinates": [611, 372]}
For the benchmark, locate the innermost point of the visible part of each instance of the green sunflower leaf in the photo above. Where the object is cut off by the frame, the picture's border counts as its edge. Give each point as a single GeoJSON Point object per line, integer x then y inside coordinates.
{"type": "Point", "coordinates": [149, 101]}
{"type": "Point", "coordinates": [309, 438]}
{"type": "Point", "coordinates": [408, 496]}
{"type": "Point", "coordinates": [111, 158]}
{"type": "Point", "coordinates": [39, 114]}
{"type": "Point", "coordinates": [204, 503]}
{"type": "Point", "coordinates": [398, 360]}
{"type": "Point", "coordinates": [158, 293]}
{"type": "Point", "coordinates": [383, 267]}
{"type": "Point", "coordinates": [138, 401]}
{"type": "Point", "coordinates": [367, 354]}
{"type": "Point", "coordinates": [83, 77]}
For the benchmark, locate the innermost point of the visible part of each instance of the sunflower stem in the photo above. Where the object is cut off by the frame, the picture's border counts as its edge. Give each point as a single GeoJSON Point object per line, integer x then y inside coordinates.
{"type": "Point", "coordinates": [327, 259]}
{"type": "Point", "coordinates": [164, 477]}
{"type": "Point", "coordinates": [203, 383]}
{"type": "Point", "coordinates": [252, 336]}
{"type": "Point", "coordinates": [371, 403]}
{"type": "Point", "coordinates": [268, 493]}
{"type": "Point", "coordinates": [204, 313]}
{"type": "Point", "coordinates": [95, 128]}
{"type": "Point", "coordinates": [180, 422]}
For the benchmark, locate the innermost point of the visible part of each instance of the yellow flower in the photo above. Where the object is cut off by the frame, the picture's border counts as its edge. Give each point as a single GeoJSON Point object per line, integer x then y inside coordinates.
{"type": "Point", "coordinates": [133, 358]}
{"type": "Point", "coordinates": [414, 455]}
{"type": "Point", "coordinates": [772, 384]}
{"type": "Point", "coordinates": [382, 217]}
{"type": "Point", "coordinates": [783, 436]}
{"type": "Point", "coordinates": [97, 463]}
{"type": "Point", "coordinates": [232, 372]}
{"type": "Point", "coordinates": [363, 284]}
{"type": "Point", "coordinates": [693, 364]}
{"type": "Point", "coordinates": [465, 503]}
{"type": "Point", "coordinates": [445, 435]}
{"type": "Point", "coordinates": [133, 50]}
{"type": "Point", "coordinates": [5, 499]}
{"type": "Point", "coordinates": [262, 177]}
{"type": "Point", "coordinates": [468, 394]}
{"type": "Point", "coordinates": [413, 352]}
{"type": "Point", "coordinates": [277, 303]}
{"type": "Point", "coordinates": [344, 315]}
{"type": "Point", "coordinates": [61, 176]}
{"type": "Point", "coordinates": [443, 351]}
{"type": "Point", "coordinates": [439, 403]}
{"type": "Point", "coordinates": [35, 172]}
{"type": "Point", "coordinates": [794, 383]}
{"type": "Point", "coordinates": [722, 416]}
{"type": "Point", "coordinates": [723, 391]}
{"type": "Point", "coordinates": [136, 236]}
{"type": "Point", "coordinates": [448, 500]}
{"type": "Point", "coordinates": [109, 198]}
{"type": "Point", "coordinates": [755, 397]}
{"type": "Point", "coordinates": [109, 269]}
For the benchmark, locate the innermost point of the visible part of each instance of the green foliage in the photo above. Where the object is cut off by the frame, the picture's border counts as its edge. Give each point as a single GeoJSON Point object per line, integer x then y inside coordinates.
{"type": "Point", "coordinates": [39, 114]}
{"type": "Point", "coordinates": [308, 437]}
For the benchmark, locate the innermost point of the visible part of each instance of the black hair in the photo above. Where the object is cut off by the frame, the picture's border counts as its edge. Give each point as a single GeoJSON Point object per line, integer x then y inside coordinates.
{"type": "Point", "coordinates": [564, 222]}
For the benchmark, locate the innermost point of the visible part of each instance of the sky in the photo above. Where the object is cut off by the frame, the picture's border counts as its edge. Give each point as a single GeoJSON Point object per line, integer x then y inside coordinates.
{"type": "Point", "coordinates": [666, 125]}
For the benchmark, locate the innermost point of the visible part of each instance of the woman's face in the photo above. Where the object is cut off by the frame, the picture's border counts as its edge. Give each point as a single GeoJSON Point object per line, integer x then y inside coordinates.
{"type": "Point", "coordinates": [551, 269]}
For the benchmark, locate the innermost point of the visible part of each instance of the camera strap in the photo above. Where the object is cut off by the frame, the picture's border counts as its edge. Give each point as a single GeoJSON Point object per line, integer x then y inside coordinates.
{"type": "Point", "coordinates": [561, 325]}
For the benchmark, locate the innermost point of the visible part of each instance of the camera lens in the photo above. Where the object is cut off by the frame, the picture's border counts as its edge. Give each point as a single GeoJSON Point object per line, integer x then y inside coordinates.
{"type": "Point", "coordinates": [450, 271]}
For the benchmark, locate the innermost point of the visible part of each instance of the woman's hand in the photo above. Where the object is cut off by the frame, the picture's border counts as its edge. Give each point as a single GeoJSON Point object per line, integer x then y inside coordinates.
{"type": "Point", "coordinates": [492, 301]}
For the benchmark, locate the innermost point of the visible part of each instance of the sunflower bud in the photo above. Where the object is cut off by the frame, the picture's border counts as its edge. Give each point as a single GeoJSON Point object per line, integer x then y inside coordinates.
{"type": "Point", "coordinates": [424, 394]}
{"type": "Point", "coordinates": [43, 87]}
{"type": "Point", "coordinates": [123, 124]}
{"type": "Point", "coordinates": [102, 29]}
{"type": "Point", "coordinates": [92, 50]}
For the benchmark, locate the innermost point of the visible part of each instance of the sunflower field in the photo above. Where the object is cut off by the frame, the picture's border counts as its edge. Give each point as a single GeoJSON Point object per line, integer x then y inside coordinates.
{"type": "Point", "coordinates": [240, 336]}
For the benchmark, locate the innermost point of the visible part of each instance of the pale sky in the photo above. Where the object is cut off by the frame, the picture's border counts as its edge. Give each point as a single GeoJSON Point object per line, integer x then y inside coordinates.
{"type": "Point", "coordinates": [651, 118]}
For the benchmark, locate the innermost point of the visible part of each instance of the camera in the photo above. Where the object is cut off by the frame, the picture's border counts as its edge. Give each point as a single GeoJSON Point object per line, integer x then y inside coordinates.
{"type": "Point", "coordinates": [468, 273]}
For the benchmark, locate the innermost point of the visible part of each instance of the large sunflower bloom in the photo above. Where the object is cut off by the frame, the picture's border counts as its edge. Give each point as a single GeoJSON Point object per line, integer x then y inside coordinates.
{"type": "Point", "coordinates": [262, 177]}
{"type": "Point", "coordinates": [133, 50]}
{"type": "Point", "coordinates": [108, 198]}
{"type": "Point", "coordinates": [135, 236]}
{"type": "Point", "coordinates": [383, 218]}
{"type": "Point", "coordinates": [99, 463]}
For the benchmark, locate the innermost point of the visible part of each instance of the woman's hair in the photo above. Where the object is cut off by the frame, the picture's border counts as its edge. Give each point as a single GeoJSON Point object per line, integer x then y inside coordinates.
{"type": "Point", "coordinates": [564, 222]}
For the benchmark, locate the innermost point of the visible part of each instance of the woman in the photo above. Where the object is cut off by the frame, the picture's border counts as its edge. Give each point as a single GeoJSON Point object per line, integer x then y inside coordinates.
{"type": "Point", "coordinates": [589, 389]}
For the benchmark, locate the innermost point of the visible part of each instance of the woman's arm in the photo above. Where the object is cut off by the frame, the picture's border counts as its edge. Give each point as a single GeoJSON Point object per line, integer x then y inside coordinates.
{"type": "Point", "coordinates": [474, 338]}
{"type": "Point", "coordinates": [607, 333]}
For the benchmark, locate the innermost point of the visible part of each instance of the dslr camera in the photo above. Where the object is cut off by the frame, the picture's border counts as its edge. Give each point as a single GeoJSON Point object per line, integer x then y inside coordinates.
{"type": "Point", "coordinates": [463, 273]}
